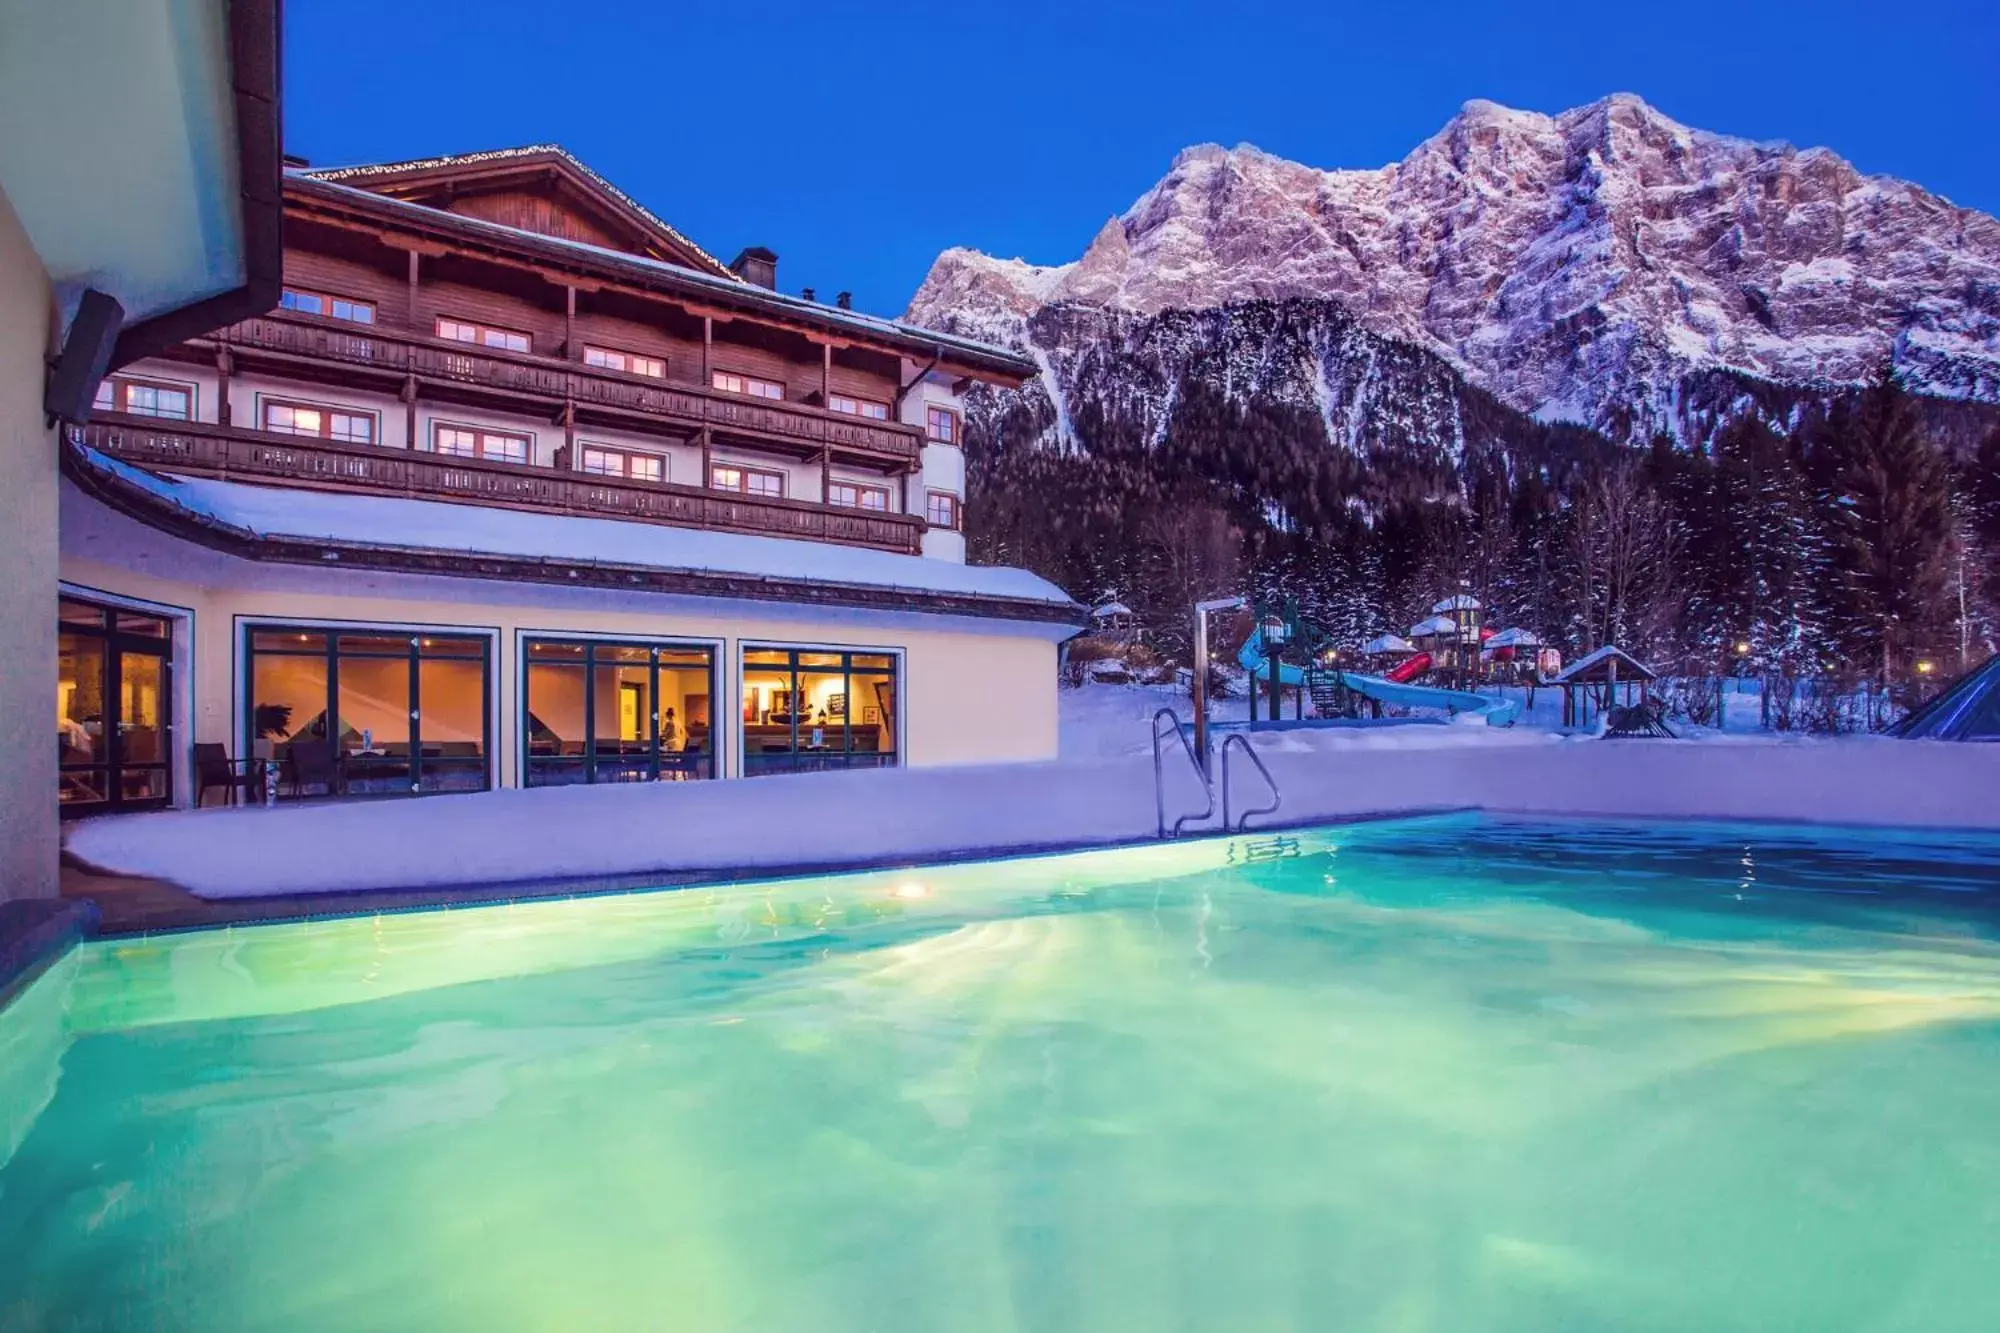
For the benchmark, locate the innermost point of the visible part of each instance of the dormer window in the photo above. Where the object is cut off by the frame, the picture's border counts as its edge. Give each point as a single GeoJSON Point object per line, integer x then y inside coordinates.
{"type": "Point", "coordinates": [631, 363]}
{"type": "Point", "coordinates": [482, 335]}
{"type": "Point", "coordinates": [304, 302]}
{"type": "Point", "coordinates": [730, 382]}
{"type": "Point", "coordinates": [858, 407]}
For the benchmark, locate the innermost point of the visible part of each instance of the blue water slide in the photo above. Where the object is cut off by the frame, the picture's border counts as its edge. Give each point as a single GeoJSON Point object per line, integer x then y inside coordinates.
{"type": "Point", "coordinates": [1496, 712]}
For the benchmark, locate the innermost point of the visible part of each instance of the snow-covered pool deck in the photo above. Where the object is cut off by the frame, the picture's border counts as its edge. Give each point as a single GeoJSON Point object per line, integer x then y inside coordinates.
{"type": "Point", "coordinates": [491, 844]}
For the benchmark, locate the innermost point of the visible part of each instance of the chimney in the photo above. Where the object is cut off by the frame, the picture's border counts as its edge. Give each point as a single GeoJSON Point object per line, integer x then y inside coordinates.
{"type": "Point", "coordinates": [807, 293]}
{"type": "Point", "coordinates": [757, 265]}
{"type": "Point", "coordinates": [845, 300]}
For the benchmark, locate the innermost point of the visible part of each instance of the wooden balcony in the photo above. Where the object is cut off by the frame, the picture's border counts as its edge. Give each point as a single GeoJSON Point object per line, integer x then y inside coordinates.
{"type": "Point", "coordinates": [198, 449]}
{"type": "Point", "coordinates": [789, 427]}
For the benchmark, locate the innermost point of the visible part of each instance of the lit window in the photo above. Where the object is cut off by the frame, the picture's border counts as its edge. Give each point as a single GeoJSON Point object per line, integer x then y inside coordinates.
{"type": "Point", "coordinates": [319, 303]}
{"type": "Point", "coordinates": [941, 425]}
{"type": "Point", "coordinates": [617, 463]}
{"type": "Point", "coordinates": [483, 335]}
{"type": "Point", "coordinates": [858, 407]}
{"type": "Point", "coordinates": [748, 481]}
{"type": "Point", "coordinates": [941, 509]}
{"type": "Point", "coordinates": [848, 495]}
{"type": "Point", "coordinates": [326, 422]}
{"type": "Point", "coordinates": [729, 382]}
{"type": "Point", "coordinates": [146, 398]}
{"type": "Point", "coordinates": [465, 442]}
{"type": "Point", "coordinates": [629, 362]}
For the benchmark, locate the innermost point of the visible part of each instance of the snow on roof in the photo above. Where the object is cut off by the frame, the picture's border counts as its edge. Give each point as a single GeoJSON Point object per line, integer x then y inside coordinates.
{"type": "Point", "coordinates": [1513, 638]}
{"type": "Point", "coordinates": [1610, 650]}
{"type": "Point", "coordinates": [1109, 609]}
{"type": "Point", "coordinates": [731, 286]}
{"type": "Point", "coordinates": [1424, 629]}
{"type": "Point", "coordinates": [434, 525]}
{"type": "Point", "coordinates": [367, 170]}
{"type": "Point", "coordinates": [1388, 643]}
{"type": "Point", "coordinates": [1463, 601]}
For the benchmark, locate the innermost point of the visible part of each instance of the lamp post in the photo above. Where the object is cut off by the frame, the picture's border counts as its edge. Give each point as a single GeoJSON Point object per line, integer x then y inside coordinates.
{"type": "Point", "coordinates": [1276, 634]}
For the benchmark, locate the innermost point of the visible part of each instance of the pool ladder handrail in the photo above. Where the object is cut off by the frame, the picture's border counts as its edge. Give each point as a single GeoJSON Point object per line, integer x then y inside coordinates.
{"type": "Point", "coordinates": [1242, 742]}
{"type": "Point", "coordinates": [1160, 777]}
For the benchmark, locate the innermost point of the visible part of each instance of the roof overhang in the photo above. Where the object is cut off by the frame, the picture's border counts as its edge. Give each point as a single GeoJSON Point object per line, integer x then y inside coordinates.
{"type": "Point", "coordinates": [143, 157]}
{"type": "Point", "coordinates": [342, 204]}
{"type": "Point", "coordinates": [130, 491]}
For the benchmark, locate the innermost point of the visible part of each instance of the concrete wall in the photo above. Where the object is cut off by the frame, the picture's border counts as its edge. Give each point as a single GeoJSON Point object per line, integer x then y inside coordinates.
{"type": "Point", "coordinates": [968, 694]}
{"type": "Point", "coordinates": [28, 501]}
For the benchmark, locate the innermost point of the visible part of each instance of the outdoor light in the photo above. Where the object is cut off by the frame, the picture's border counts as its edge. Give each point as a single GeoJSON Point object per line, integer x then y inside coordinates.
{"type": "Point", "coordinates": [1925, 668]}
{"type": "Point", "coordinates": [1742, 648]}
{"type": "Point", "coordinates": [911, 891]}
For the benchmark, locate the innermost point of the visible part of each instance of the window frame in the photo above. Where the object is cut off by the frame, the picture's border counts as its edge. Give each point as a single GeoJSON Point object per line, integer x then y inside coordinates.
{"type": "Point", "coordinates": [481, 432]}
{"type": "Point", "coordinates": [327, 411]}
{"type": "Point", "coordinates": [329, 298]}
{"type": "Point", "coordinates": [120, 386]}
{"type": "Point", "coordinates": [748, 470]}
{"type": "Point", "coordinates": [747, 380]}
{"type": "Point", "coordinates": [601, 350]}
{"type": "Point", "coordinates": [957, 510]}
{"type": "Point", "coordinates": [482, 329]}
{"type": "Point", "coordinates": [708, 764]}
{"type": "Point", "coordinates": [860, 489]}
{"type": "Point", "coordinates": [956, 436]}
{"type": "Point", "coordinates": [625, 456]}
{"type": "Point", "coordinates": [859, 403]}
{"type": "Point", "coordinates": [790, 761]}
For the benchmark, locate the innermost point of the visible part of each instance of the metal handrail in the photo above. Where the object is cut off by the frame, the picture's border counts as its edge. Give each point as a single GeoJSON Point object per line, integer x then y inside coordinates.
{"type": "Point", "coordinates": [1241, 742]}
{"type": "Point", "coordinates": [1160, 777]}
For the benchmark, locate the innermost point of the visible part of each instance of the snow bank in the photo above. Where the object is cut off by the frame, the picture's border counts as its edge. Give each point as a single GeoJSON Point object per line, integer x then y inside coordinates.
{"type": "Point", "coordinates": [916, 815]}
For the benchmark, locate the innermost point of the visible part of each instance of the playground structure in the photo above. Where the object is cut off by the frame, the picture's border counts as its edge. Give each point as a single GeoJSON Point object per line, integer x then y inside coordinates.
{"type": "Point", "coordinates": [1338, 693]}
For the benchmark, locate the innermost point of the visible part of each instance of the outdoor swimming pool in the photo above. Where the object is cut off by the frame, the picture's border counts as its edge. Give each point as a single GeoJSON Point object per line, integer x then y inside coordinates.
{"type": "Point", "coordinates": [1433, 1074]}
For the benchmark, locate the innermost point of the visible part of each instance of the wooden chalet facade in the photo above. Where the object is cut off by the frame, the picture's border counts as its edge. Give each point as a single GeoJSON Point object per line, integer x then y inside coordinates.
{"type": "Point", "coordinates": [509, 331]}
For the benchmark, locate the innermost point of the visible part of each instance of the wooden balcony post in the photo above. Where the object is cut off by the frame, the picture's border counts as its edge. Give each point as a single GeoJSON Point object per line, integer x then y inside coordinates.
{"type": "Point", "coordinates": [410, 408]}
{"type": "Point", "coordinates": [826, 376]}
{"type": "Point", "coordinates": [412, 315]}
{"type": "Point", "coordinates": [570, 350]}
{"type": "Point", "coordinates": [707, 460]}
{"type": "Point", "coordinates": [225, 366]}
{"type": "Point", "coordinates": [826, 475]}
{"type": "Point", "coordinates": [707, 346]}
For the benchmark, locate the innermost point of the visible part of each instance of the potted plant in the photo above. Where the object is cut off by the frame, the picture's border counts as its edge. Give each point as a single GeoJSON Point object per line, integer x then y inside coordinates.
{"type": "Point", "coordinates": [272, 722]}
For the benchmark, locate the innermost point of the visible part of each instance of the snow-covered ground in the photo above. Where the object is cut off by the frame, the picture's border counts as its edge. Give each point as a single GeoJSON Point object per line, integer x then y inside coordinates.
{"type": "Point", "coordinates": [1100, 791]}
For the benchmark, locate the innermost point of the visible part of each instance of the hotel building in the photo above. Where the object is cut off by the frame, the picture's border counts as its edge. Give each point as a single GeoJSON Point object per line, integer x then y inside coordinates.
{"type": "Point", "coordinates": [517, 485]}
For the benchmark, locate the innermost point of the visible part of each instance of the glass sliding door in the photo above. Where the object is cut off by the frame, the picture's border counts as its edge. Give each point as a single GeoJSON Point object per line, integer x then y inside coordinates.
{"type": "Point", "coordinates": [806, 710]}
{"type": "Point", "coordinates": [114, 708]}
{"type": "Point", "coordinates": [599, 711]}
{"type": "Point", "coordinates": [388, 711]}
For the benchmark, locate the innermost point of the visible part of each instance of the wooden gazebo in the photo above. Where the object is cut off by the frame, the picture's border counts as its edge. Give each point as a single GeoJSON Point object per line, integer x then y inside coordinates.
{"type": "Point", "coordinates": [1591, 684]}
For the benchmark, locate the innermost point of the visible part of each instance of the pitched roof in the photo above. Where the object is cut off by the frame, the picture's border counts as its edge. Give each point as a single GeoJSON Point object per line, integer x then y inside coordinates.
{"type": "Point", "coordinates": [1592, 662]}
{"type": "Point", "coordinates": [374, 176]}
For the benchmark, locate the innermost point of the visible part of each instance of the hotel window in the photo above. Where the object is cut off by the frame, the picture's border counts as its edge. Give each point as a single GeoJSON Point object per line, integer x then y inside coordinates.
{"type": "Point", "coordinates": [320, 303]}
{"type": "Point", "coordinates": [145, 398]}
{"type": "Point", "coordinates": [747, 481]}
{"type": "Point", "coordinates": [397, 710]}
{"type": "Point", "coordinates": [469, 442]}
{"type": "Point", "coordinates": [730, 382]}
{"type": "Point", "coordinates": [941, 509]}
{"type": "Point", "coordinates": [848, 495]}
{"type": "Point", "coordinates": [328, 423]}
{"type": "Point", "coordinates": [941, 425]}
{"type": "Point", "coordinates": [114, 708]}
{"type": "Point", "coordinates": [805, 710]}
{"type": "Point", "coordinates": [482, 335]}
{"type": "Point", "coordinates": [596, 711]}
{"type": "Point", "coordinates": [629, 362]}
{"type": "Point", "coordinates": [858, 407]}
{"type": "Point", "coordinates": [603, 462]}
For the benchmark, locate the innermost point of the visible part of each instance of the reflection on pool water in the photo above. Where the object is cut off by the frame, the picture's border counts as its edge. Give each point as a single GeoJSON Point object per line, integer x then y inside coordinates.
{"type": "Point", "coordinates": [1434, 1074]}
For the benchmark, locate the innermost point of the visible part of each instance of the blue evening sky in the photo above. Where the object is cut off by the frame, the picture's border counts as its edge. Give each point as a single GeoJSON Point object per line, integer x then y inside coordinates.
{"type": "Point", "coordinates": [859, 140]}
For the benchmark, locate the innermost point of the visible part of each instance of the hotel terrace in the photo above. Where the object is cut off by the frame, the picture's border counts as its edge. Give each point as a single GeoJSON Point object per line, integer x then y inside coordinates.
{"type": "Point", "coordinates": [520, 486]}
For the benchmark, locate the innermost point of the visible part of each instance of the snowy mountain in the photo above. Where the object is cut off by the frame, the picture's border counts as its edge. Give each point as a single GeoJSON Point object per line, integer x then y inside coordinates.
{"type": "Point", "coordinates": [1605, 266]}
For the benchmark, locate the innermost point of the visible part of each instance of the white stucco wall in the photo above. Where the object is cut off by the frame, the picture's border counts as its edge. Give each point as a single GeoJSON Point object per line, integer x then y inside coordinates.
{"type": "Point", "coordinates": [29, 844]}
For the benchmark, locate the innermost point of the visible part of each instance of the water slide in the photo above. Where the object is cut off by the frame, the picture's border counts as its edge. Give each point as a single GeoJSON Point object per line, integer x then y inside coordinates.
{"type": "Point", "coordinates": [1408, 669]}
{"type": "Point", "coordinates": [1495, 712]}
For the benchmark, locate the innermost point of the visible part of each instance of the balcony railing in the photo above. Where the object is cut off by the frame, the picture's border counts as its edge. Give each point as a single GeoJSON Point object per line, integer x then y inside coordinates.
{"type": "Point", "coordinates": [689, 405]}
{"type": "Point", "coordinates": [259, 456]}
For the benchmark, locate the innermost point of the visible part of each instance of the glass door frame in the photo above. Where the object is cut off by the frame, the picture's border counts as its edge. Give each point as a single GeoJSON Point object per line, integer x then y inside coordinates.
{"type": "Point", "coordinates": [524, 640]}
{"type": "Point", "coordinates": [116, 644]}
{"type": "Point", "coordinates": [332, 631]}
{"type": "Point", "coordinates": [797, 760]}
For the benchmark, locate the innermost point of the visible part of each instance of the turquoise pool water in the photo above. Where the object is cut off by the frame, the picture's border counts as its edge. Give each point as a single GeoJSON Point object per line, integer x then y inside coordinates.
{"type": "Point", "coordinates": [1448, 1074]}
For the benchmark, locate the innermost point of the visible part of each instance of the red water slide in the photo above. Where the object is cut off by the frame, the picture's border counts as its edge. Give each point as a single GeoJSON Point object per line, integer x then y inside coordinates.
{"type": "Point", "coordinates": [1409, 669]}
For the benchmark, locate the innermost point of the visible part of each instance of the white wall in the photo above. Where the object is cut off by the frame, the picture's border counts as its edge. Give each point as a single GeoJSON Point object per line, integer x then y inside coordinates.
{"type": "Point", "coordinates": [29, 841]}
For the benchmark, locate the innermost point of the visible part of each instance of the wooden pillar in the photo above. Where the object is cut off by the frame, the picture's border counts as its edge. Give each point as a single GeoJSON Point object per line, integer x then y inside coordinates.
{"type": "Point", "coordinates": [410, 409]}
{"type": "Point", "coordinates": [412, 311]}
{"type": "Point", "coordinates": [572, 459]}
{"type": "Point", "coordinates": [826, 474]}
{"type": "Point", "coordinates": [707, 460]}
{"type": "Point", "coordinates": [225, 365]}
{"type": "Point", "coordinates": [826, 375]}
{"type": "Point", "coordinates": [570, 349]}
{"type": "Point", "coordinates": [707, 346]}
